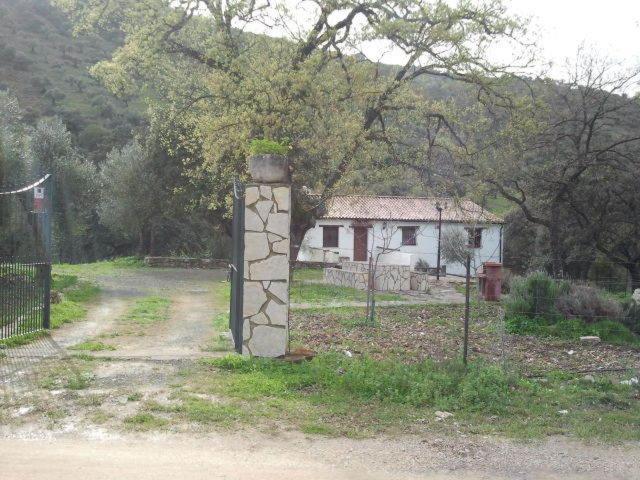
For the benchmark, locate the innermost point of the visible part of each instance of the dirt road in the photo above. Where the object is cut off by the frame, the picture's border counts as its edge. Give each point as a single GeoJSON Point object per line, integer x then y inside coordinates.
{"type": "Point", "coordinates": [295, 456]}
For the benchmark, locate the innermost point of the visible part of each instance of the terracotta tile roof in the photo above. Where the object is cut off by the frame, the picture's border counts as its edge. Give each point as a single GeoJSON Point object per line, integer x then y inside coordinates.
{"type": "Point", "coordinates": [407, 209]}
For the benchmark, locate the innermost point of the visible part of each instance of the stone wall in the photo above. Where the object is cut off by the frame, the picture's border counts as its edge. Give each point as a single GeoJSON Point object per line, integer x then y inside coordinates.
{"type": "Point", "coordinates": [266, 269]}
{"type": "Point", "coordinates": [420, 281]}
{"type": "Point", "coordinates": [177, 262]}
{"type": "Point", "coordinates": [354, 274]}
{"type": "Point", "coordinates": [346, 278]}
{"type": "Point", "coordinates": [387, 277]}
{"type": "Point", "coordinates": [392, 278]}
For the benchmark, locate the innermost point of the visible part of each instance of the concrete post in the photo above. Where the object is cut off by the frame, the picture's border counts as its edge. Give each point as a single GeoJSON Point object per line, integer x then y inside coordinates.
{"type": "Point", "coordinates": [266, 257]}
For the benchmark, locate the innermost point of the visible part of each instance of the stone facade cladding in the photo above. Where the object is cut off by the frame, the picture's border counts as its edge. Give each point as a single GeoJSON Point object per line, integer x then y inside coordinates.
{"type": "Point", "coordinates": [266, 269]}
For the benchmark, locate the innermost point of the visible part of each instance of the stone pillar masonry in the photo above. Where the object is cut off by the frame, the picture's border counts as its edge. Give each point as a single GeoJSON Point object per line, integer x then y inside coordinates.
{"type": "Point", "coordinates": [266, 257]}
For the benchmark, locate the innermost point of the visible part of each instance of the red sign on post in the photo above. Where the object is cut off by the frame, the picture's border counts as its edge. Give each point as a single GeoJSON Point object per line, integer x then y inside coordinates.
{"type": "Point", "coordinates": [38, 200]}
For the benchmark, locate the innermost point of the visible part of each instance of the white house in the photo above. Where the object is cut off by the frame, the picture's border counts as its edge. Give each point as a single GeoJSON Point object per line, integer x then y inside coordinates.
{"type": "Point", "coordinates": [400, 230]}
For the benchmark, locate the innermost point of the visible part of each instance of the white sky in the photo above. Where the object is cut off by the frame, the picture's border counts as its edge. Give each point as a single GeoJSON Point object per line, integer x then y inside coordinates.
{"type": "Point", "coordinates": [609, 27]}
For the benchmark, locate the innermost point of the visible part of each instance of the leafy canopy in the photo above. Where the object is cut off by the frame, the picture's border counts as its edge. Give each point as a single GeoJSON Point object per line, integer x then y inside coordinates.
{"type": "Point", "coordinates": [211, 69]}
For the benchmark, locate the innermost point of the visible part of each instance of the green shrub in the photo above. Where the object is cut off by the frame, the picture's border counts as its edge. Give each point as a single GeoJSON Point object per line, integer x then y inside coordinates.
{"type": "Point", "coordinates": [569, 328]}
{"type": "Point", "coordinates": [614, 332]}
{"type": "Point", "coordinates": [263, 146]}
{"type": "Point", "coordinates": [572, 328]}
{"type": "Point", "coordinates": [588, 303]}
{"type": "Point", "coordinates": [535, 296]}
{"type": "Point", "coordinates": [422, 265]}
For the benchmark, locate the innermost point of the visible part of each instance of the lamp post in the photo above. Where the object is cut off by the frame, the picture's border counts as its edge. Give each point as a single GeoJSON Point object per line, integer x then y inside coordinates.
{"type": "Point", "coordinates": [439, 208]}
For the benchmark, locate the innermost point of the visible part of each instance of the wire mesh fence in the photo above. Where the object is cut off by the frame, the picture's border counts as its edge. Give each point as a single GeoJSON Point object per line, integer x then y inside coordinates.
{"type": "Point", "coordinates": [540, 335]}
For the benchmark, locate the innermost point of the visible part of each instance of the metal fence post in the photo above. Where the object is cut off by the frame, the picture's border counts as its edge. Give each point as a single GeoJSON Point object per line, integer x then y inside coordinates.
{"type": "Point", "coordinates": [466, 310]}
{"type": "Point", "coordinates": [46, 301]}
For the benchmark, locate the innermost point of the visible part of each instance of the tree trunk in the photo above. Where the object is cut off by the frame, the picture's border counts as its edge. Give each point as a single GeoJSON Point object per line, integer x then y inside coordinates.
{"type": "Point", "coordinates": [634, 275]}
{"type": "Point", "coordinates": [144, 240]}
{"type": "Point", "coordinates": [298, 231]}
{"type": "Point", "coordinates": [555, 243]}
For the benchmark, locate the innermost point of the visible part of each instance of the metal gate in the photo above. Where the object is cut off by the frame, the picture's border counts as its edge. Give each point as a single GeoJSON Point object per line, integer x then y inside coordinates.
{"type": "Point", "coordinates": [25, 258]}
{"type": "Point", "coordinates": [237, 266]}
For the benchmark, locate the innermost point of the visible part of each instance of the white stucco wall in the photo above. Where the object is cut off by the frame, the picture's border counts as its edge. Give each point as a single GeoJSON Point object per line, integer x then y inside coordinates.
{"type": "Point", "coordinates": [389, 234]}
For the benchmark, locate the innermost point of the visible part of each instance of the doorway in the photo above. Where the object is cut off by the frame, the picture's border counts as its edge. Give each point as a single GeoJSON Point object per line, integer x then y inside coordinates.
{"type": "Point", "coordinates": [360, 243]}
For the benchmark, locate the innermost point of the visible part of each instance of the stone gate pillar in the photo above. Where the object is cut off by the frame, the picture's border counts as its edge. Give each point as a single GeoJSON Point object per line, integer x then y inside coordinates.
{"type": "Point", "coordinates": [266, 257]}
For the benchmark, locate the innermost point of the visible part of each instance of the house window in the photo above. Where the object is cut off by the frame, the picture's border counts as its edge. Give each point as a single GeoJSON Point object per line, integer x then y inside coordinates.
{"type": "Point", "coordinates": [330, 237]}
{"type": "Point", "coordinates": [475, 237]}
{"type": "Point", "coordinates": [409, 235]}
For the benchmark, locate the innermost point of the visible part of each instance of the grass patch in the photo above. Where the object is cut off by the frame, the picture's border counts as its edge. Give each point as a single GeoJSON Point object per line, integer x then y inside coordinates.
{"type": "Point", "coordinates": [92, 346]}
{"type": "Point", "coordinates": [148, 310]}
{"type": "Point", "coordinates": [103, 267]}
{"type": "Point", "coordinates": [334, 394]}
{"type": "Point", "coordinates": [20, 340]}
{"type": "Point", "coordinates": [99, 417]}
{"type": "Point", "coordinates": [302, 274]}
{"type": "Point", "coordinates": [322, 293]}
{"type": "Point", "coordinates": [203, 411]}
{"type": "Point", "coordinates": [220, 342]}
{"type": "Point", "coordinates": [75, 293]}
{"type": "Point", "coordinates": [145, 421]}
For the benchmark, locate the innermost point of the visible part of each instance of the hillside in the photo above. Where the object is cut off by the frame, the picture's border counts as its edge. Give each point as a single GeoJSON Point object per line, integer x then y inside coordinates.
{"type": "Point", "coordinates": [47, 69]}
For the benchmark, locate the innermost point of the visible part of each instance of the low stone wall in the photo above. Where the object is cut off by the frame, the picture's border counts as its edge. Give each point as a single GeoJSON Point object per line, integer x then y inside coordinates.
{"type": "Point", "coordinates": [345, 278]}
{"type": "Point", "coordinates": [355, 274]}
{"type": "Point", "coordinates": [177, 262]}
{"type": "Point", "coordinates": [392, 277]}
{"type": "Point", "coordinates": [419, 281]}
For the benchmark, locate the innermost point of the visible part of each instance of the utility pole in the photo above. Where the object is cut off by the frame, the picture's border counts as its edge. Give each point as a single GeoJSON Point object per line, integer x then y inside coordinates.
{"type": "Point", "coordinates": [439, 208]}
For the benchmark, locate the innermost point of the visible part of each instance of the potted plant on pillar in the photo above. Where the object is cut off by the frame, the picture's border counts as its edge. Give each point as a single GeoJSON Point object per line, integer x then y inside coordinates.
{"type": "Point", "coordinates": [268, 161]}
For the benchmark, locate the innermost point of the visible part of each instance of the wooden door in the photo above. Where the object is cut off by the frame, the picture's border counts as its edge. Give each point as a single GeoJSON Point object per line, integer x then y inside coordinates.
{"type": "Point", "coordinates": [360, 243]}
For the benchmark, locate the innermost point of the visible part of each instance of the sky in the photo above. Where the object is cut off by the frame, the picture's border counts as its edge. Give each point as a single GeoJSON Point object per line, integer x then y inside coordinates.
{"type": "Point", "coordinates": [609, 27]}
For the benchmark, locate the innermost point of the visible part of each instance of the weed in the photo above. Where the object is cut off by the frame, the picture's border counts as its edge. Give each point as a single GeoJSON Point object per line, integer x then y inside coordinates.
{"type": "Point", "coordinates": [92, 346]}
{"type": "Point", "coordinates": [99, 417]}
{"type": "Point", "coordinates": [134, 397]}
{"type": "Point", "coordinates": [145, 421]}
{"type": "Point", "coordinates": [358, 395]}
{"type": "Point", "coordinates": [204, 411]}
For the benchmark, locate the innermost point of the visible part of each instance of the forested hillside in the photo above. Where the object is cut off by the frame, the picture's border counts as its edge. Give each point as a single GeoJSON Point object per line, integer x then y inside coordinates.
{"type": "Point", "coordinates": [46, 68]}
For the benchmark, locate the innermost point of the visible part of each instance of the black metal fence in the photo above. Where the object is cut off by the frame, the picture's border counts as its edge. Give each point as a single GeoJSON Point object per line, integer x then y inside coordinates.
{"type": "Point", "coordinates": [25, 288]}
{"type": "Point", "coordinates": [25, 258]}
{"type": "Point", "coordinates": [237, 266]}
